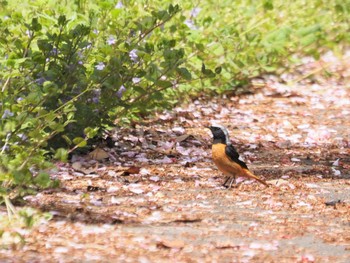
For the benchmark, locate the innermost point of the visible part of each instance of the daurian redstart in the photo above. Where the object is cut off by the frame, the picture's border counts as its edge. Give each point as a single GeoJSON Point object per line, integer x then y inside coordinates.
{"type": "Point", "coordinates": [227, 159]}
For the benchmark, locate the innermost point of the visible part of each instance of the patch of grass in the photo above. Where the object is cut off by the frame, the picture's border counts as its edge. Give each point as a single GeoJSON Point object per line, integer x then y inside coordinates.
{"type": "Point", "coordinates": [15, 226]}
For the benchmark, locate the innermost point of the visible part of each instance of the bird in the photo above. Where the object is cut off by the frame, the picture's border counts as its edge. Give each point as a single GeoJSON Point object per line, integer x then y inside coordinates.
{"type": "Point", "coordinates": [226, 157]}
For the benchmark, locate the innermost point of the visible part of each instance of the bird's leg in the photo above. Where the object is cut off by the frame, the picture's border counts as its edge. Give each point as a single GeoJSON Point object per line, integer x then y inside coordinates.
{"type": "Point", "coordinates": [231, 179]}
{"type": "Point", "coordinates": [228, 178]}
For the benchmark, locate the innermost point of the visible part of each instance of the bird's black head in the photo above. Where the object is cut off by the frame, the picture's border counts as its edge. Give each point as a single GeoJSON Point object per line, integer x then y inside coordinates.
{"type": "Point", "coordinates": [220, 134]}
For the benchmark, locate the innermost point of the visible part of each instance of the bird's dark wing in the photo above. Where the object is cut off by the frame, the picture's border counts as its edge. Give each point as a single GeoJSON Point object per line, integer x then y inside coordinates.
{"type": "Point", "coordinates": [231, 152]}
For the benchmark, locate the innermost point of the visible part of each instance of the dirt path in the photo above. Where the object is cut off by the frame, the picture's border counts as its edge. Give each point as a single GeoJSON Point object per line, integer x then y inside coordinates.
{"type": "Point", "coordinates": [296, 136]}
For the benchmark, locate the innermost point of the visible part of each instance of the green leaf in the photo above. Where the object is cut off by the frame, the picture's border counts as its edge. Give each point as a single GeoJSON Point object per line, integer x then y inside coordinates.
{"type": "Point", "coordinates": [44, 45]}
{"type": "Point", "coordinates": [218, 70]}
{"type": "Point", "coordinates": [56, 126]}
{"type": "Point", "coordinates": [91, 132]}
{"type": "Point", "coordinates": [157, 96]}
{"type": "Point", "coordinates": [308, 40]}
{"type": "Point", "coordinates": [269, 69]}
{"type": "Point", "coordinates": [203, 68]}
{"type": "Point", "coordinates": [200, 46]}
{"type": "Point", "coordinates": [3, 190]}
{"type": "Point", "coordinates": [183, 72]}
{"type": "Point", "coordinates": [171, 9]}
{"type": "Point", "coordinates": [62, 20]}
{"type": "Point", "coordinates": [164, 83]}
{"type": "Point", "coordinates": [35, 24]}
{"type": "Point", "coordinates": [172, 43]}
{"type": "Point", "coordinates": [207, 72]}
{"type": "Point", "coordinates": [304, 31]}
{"type": "Point", "coordinates": [161, 15]}
{"type": "Point", "coordinates": [61, 154]}
{"type": "Point", "coordinates": [116, 12]}
{"type": "Point", "coordinates": [79, 142]}
{"type": "Point", "coordinates": [139, 90]}
{"type": "Point", "coordinates": [42, 179]}
{"type": "Point", "coordinates": [268, 5]}
{"type": "Point", "coordinates": [67, 139]}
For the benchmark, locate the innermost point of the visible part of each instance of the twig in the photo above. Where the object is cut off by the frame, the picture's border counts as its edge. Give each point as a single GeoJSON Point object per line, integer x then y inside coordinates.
{"type": "Point", "coordinates": [5, 84]}
{"type": "Point", "coordinates": [11, 210]}
{"type": "Point", "coordinates": [323, 67]}
{"type": "Point", "coordinates": [6, 143]}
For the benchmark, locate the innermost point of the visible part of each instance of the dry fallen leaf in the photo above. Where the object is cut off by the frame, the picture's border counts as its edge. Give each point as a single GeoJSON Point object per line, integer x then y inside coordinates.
{"type": "Point", "coordinates": [175, 243]}
{"type": "Point", "coordinates": [278, 182]}
{"type": "Point", "coordinates": [76, 166]}
{"type": "Point", "coordinates": [183, 137]}
{"type": "Point", "coordinates": [98, 154]}
{"type": "Point", "coordinates": [79, 167]}
{"type": "Point", "coordinates": [132, 170]}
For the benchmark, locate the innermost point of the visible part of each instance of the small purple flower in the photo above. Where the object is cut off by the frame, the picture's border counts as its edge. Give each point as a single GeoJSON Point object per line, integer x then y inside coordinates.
{"type": "Point", "coordinates": [119, 5]}
{"type": "Point", "coordinates": [133, 55]}
{"type": "Point", "coordinates": [190, 24]}
{"type": "Point", "coordinates": [120, 92]}
{"type": "Point", "coordinates": [88, 46]}
{"type": "Point", "coordinates": [111, 40]}
{"type": "Point", "coordinates": [19, 99]}
{"type": "Point", "coordinates": [7, 113]}
{"type": "Point", "coordinates": [100, 66]}
{"type": "Point", "coordinates": [136, 80]}
{"type": "Point", "coordinates": [33, 170]}
{"type": "Point", "coordinates": [80, 55]}
{"type": "Point", "coordinates": [95, 31]}
{"type": "Point", "coordinates": [40, 81]}
{"type": "Point", "coordinates": [97, 94]}
{"type": "Point", "coordinates": [54, 52]}
{"type": "Point", "coordinates": [195, 11]}
{"type": "Point", "coordinates": [22, 136]}
{"type": "Point", "coordinates": [5, 148]}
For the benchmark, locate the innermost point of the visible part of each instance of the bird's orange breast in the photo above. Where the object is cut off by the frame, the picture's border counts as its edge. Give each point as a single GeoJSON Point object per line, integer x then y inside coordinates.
{"type": "Point", "coordinates": [222, 161]}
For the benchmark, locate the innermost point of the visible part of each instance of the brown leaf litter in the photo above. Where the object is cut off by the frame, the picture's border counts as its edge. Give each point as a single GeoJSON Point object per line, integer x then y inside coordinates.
{"type": "Point", "coordinates": [156, 196]}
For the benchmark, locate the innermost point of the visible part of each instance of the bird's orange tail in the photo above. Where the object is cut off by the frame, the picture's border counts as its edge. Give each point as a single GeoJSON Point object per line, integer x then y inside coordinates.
{"type": "Point", "coordinates": [253, 176]}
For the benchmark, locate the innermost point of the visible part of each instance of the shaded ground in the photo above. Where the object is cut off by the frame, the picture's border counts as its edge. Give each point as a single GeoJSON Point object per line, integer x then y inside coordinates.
{"type": "Point", "coordinates": [295, 135]}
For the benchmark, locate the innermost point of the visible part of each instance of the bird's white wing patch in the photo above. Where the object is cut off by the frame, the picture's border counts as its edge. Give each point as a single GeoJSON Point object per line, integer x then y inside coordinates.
{"type": "Point", "coordinates": [241, 158]}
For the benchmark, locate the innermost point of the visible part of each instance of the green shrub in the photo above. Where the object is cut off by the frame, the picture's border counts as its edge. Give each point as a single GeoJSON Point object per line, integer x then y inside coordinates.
{"type": "Point", "coordinates": [249, 38]}
{"type": "Point", "coordinates": [11, 228]}
{"type": "Point", "coordinates": [66, 80]}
